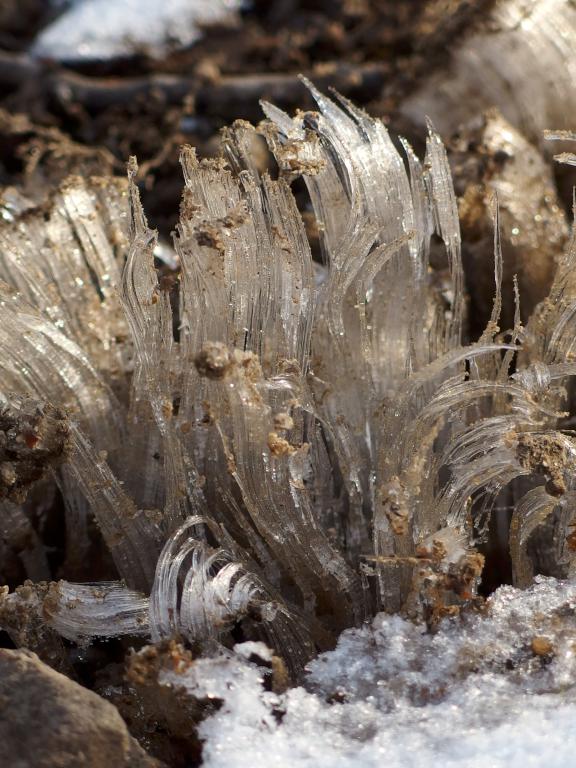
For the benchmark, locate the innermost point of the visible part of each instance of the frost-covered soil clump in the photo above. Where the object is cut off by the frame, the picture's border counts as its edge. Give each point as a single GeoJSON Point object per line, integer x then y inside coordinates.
{"type": "Point", "coordinates": [494, 688]}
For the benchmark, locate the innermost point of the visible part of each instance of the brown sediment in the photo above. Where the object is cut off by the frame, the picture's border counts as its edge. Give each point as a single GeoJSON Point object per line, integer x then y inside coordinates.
{"type": "Point", "coordinates": [33, 439]}
{"type": "Point", "coordinates": [546, 455]}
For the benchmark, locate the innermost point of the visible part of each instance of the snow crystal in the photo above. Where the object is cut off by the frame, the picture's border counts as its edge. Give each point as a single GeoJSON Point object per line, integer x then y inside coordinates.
{"type": "Point", "coordinates": [104, 29]}
{"type": "Point", "coordinates": [494, 689]}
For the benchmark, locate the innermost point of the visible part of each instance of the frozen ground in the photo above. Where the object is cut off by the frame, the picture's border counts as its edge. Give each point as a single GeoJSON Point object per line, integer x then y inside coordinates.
{"type": "Point", "coordinates": [496, 690]}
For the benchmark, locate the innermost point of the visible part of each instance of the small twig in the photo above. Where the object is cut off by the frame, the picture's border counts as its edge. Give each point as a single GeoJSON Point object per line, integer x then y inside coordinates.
{"type": "Point", "coordinates": [234, 96]}
{"type": "Point", "coordinates": [99, 93]}
{"type": "Point", "coordinates": [230, 97]}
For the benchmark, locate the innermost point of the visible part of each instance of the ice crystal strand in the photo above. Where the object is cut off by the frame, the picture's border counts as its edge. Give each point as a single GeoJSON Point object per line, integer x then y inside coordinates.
{"type": "Point", "coordinates": [208, 603]}
{"type": "Point", "coordinates": [550, 330]}
{"type": "Point", "coordinates": [83, 214]}
{"type": "Point", "coordinates": [331, 185]}
{"type": "Point", "coordinates": [515, 444]}
{"type": "Point", "coordinates": [208, 255]}
{"type": "Point", "coordinates": [288, 311]}
{"type": "Point", "coordinates": [333, 212]}
{"type": "Point", "coordinates": [517, 334]}
{"type": "Point", "coordinates": [244, 148]}
{"type": "Point", "coordinates": [221, 268]}
{"type": "Point", "coordinates": [356, 153]}
{"type": "Point", "coordinates": [380, 335]}
{"type": "Point", "coordinates": [64, 263]}
{"type": "Point", "coordinates": [427, 334]}
{"type": "Point", "coordinates": [398, 251]}
{"type": "Point", "coordinates": [530, 511]}
{"type": "Point", "coordinates": [337, 503]}
{"type": "Point", "coordinates": [541, 535]}
{"type": "Point", "coordinates": [149, 315]}
{"type": "Point", "coordinates": [248, 237]}
{"type": "Point", "coordinates": [407, 471]}
{"type": "Point", "coordinates": [445, 211]}
{"type": "Point", "coordinates": [217, 591]}
{"type": "Point", "coordinates": [40, 360]}
{"type": "Point", "coordinates": [282, 306]}
{"type": "Point", "coordinates": [265, 466]}
{"type": "Point", "coordinates": [80, 612]}
{"type": "Point", "coordinates": [474, 468]}
{"type": "Point", "coordinates": [487, 367]}
{"type": "Point", "coordinates": [132, 537]}
{"type": "Point", "coordinates": [345, 213]}
{"type": "Point", "coordinates": [492, 328]}
{"type": "Point", "coordinates": [164, 595]}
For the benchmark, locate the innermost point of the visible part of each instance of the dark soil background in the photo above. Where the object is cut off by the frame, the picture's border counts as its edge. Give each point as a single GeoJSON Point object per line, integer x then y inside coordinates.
{"type": "Point", "coordinates": [370, 51]}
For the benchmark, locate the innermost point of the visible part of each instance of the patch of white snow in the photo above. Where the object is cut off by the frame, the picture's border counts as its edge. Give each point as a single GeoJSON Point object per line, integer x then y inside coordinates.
{"type": "Point", "coordinates": [105, 29]}
{"type": "Point", "coordinates": [494, 690]}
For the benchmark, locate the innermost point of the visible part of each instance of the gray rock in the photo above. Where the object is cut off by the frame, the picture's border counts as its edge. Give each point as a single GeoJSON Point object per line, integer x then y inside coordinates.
{"type": "Point", "coordinates": [48, 721]}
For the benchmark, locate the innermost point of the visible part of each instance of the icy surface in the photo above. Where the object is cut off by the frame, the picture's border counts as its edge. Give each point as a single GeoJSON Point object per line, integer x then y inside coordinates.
{"type": "Point", "coordinates": [265, 450]}
{"type": "Point", "coordinates": [104, 29]}
{"type": "Point", "coordinates": [495, 690]}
